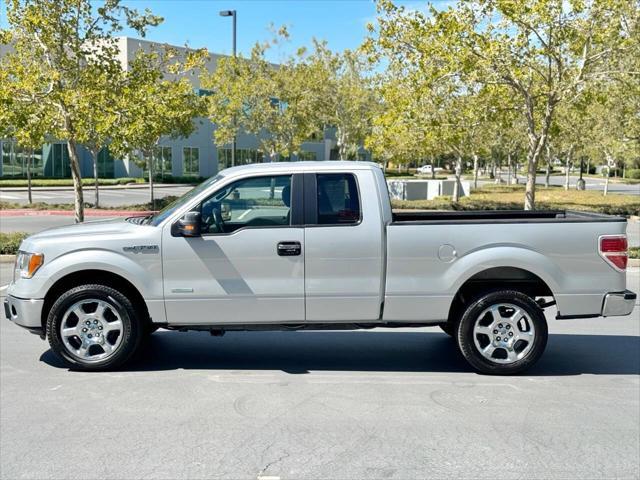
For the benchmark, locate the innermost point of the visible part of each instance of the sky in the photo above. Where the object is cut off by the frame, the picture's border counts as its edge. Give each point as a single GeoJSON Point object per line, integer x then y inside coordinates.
{"type": "Point", "coordinates": [196, 22]}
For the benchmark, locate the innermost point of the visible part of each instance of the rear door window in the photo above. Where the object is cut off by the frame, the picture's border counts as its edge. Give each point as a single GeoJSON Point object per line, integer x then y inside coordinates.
{"type": "Point", "coordinates": [338, 199]}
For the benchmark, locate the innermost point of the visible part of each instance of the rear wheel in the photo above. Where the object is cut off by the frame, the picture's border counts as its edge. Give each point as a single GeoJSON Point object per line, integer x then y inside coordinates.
{"type": "Point", "coordinates": [502, 333]}
{"type": "Point", "coordinates": [94, 327]}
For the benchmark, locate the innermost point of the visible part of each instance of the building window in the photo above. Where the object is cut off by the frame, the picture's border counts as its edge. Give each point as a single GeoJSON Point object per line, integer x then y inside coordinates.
{"type": "Point", "coordinates": [57, 161]}
{"type": "Point", "coordinates": [307, 156]}
{"type": "Point", "coordinates": [244, 156]}
{"type": "Point", "coordinates": [191, 161]}
{"type": "Point", "coordinates": [16, 158]}
{"type": "Point", "coordinates": [162, 163]}
{"type": "Point", "coordinates": [106, 168]}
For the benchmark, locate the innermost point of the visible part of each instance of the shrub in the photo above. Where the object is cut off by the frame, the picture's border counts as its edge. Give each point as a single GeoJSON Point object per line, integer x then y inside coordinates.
{"type": "Point", "coordinates": [10, 242]}
{"type": "Point", "coordinates": [633, 174]}
{"type": "Point", "coordinates": [634, 252]}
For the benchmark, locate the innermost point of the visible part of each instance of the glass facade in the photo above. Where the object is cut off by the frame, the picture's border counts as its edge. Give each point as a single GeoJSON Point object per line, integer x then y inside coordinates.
{"type": "Point", "coordinates": [244, 156]}
{"type": "Point", "coordinates": [162, 163]}
{"type": "Point", "coordinates": [105, 164]}
{"type": "Point", "coordinates": [57, 161]}
{"type": "Point", "coordinates": [190, 161]}
{"type": "Point", "coordinates": [16, 158]}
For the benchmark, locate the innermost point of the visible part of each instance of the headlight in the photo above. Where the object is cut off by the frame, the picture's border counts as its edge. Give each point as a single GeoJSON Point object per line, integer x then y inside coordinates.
{"type": "Point", "coordinates": [27, 264]}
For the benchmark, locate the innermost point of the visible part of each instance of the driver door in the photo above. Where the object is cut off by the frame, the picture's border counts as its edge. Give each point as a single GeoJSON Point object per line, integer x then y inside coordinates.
{"type": "Point", "coordinates": [247, 266]}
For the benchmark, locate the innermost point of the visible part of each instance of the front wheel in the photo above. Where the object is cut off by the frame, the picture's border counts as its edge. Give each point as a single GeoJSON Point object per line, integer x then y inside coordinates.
{"type": "Point", "coordinates": [94, 327]}
{"type": "Point", "coordinates": [502, 333]}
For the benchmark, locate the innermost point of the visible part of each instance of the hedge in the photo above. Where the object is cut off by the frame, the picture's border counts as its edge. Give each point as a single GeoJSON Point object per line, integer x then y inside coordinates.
{"type": "Point", "coordinates": [10, 242]}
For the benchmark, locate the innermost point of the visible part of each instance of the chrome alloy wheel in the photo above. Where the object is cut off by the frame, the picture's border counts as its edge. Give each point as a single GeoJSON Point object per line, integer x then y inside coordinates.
{"type": "Point", "coordinates": [91, 330]}
{"type": "Point", "coordinates": [504, 333]}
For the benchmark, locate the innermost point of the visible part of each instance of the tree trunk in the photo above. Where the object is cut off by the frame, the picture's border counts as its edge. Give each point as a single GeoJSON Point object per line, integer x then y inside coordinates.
{"type": "Point", "coordinates": [567, 167]}
{"type": "Point", "coordinates": [456, 188]}
{"type": "Point", "coordinates": [153, 200]}
{"type": "Point", "coordinates": [509, 168]}
{"type": "Point", "coordinates": [29, 161]}
{"type": "Point", "coordinates": [535, 148]}
{"type": "Point", "coordinates": [433, 168]}
{"type": "Point", "coordinates": [548, 169]}
{"type": "Point", "coordinates": [608, 173]}
{"type": "Point", "coordinates": [74, 163]}
{"type": "Point", "coordinates": [94, 155]}
{"type": "Point", "coordinates": [475, 170]}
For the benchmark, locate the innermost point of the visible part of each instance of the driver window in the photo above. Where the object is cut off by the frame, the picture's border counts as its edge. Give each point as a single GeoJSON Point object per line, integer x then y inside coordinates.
{"type": "Point", "coordinates": [252, 202]}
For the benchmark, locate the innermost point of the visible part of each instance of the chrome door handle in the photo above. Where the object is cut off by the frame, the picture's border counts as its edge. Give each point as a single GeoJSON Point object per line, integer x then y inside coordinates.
{"type": "Point", "coordinates": [289, 249]}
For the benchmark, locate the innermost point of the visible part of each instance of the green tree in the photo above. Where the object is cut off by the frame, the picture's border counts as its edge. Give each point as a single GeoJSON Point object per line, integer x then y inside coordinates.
{"type": "Point", "coordinates": [68, 45]}
{"type": "Point", "coordinates": [544, 51]}
{"type": "Point", "coordinates": [28, 123]}
{"type": "Point", "coordinates": [281, 104]}
{"type": "Point", "coordinates": [156, 100]}
{"type": "Point", "coordinates": [346, 96]}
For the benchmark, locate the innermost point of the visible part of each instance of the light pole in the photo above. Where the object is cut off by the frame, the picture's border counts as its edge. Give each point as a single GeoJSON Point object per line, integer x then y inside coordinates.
{"type": "Point", "coordinates": [232, 14]}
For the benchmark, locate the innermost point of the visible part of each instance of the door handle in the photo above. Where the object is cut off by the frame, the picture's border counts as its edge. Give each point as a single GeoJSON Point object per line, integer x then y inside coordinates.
{"type": "Point", "coordinates": [289, 249]}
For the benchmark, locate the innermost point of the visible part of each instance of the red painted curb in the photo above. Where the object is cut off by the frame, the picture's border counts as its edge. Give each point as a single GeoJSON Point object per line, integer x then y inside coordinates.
{"type": "Point", "coordinates": [89, 212]}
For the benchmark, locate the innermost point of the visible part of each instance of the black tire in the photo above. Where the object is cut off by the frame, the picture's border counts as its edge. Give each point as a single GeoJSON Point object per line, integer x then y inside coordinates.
{"type": "Point", "coordinates": [448, 328]}
{"type": "Point", "coordinates": [151, 328]}
{"type": "Point", "coordinates": [466, 341]}
{"type": "Point", "coordinates": [132, 326]}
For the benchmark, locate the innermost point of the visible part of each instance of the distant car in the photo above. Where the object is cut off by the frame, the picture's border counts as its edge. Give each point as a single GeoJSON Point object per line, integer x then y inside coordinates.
{"type": "Point", "coordinates": [427, 170]}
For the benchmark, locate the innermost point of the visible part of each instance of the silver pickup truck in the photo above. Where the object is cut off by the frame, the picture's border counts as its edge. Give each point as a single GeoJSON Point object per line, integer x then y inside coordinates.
{"type": "Point", "coordinates": [315, 245]}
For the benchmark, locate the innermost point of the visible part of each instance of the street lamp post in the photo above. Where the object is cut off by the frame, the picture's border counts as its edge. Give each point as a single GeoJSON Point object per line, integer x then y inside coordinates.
{"type": "Point", "coordinates": [232, 14]}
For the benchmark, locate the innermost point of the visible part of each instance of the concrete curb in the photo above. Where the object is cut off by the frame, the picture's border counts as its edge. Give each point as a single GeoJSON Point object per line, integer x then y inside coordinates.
{"type": "Point", "coordinates": [89, 212]}
{"type": "Point", "coordinates": [90, 188]}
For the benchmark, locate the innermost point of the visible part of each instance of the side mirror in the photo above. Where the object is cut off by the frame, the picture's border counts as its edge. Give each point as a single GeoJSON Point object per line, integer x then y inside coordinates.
{"type": "Point", "coordinates": [188, 226]}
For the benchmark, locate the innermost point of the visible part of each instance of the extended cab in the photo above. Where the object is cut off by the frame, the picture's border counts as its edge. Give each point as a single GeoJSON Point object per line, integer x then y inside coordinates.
{"type": "Point", "coordinates": [315, 245]}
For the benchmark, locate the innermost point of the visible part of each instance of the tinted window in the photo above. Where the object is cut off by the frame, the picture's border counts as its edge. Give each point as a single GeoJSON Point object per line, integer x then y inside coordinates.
{"type": "Point", "coordinates": [338, 200]}
{"type": "Point", "coordinates": [252, 202]}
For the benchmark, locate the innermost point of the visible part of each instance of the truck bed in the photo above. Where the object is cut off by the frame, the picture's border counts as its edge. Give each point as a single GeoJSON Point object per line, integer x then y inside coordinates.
{"type": "Point", "coordinates": [498, 216]}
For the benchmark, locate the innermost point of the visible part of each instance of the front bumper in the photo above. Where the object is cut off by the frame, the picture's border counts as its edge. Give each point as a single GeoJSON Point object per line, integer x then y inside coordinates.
{"type": "Point", "coordinates": [26, 313]}
{"type": "Point", "coordinates": [618, 303]}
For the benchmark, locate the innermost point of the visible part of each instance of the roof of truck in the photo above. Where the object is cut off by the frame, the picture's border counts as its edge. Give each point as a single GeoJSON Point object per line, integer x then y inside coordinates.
{"type": "Point", "coordinates": [300, 166]}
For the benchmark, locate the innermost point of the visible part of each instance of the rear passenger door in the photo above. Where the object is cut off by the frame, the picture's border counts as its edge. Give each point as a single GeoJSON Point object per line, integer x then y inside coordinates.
{"type": "Point", "coordinates": [344, 247]}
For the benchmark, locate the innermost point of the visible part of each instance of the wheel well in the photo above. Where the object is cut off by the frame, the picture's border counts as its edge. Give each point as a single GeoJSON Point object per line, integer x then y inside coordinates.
{"type": "Point", "coordinates": [93, 276]}
{"type": "Point", "coordinates": [496, 278]}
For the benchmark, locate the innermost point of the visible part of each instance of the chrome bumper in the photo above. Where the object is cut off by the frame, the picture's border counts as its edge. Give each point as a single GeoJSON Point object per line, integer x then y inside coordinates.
{"type": "Point", "coordinates": [618, 303]}
{"type": "Point", "coordinates": [24, 312]}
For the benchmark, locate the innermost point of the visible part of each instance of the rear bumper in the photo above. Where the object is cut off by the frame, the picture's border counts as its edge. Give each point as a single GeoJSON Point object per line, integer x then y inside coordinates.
{"type": "Point", "coordinates": [618, 303]}
{"type": "Point", "coordinates": [26, 313]}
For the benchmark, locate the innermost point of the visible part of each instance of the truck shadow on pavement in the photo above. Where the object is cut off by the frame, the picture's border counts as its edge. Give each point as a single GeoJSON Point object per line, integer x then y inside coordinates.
{"type": "Point", "coordinates": [302, 352]}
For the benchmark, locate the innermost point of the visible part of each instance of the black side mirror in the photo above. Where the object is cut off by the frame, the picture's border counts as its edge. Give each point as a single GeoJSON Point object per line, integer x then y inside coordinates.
{"type": "Point", "coordinates": [188, 226]}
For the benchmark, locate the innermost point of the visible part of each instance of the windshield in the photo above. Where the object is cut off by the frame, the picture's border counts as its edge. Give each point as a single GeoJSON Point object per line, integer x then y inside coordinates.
{"type": "Point", "coordinates": [167, 211]}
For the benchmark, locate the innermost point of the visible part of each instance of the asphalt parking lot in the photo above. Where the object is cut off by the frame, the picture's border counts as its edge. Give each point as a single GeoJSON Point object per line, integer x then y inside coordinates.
{"type": "Point", "coordinates": [314, 405]}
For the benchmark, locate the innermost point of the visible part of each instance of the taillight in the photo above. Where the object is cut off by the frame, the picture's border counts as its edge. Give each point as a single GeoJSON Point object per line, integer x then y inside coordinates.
{"type": "Point", "coordinates": [613, 248]}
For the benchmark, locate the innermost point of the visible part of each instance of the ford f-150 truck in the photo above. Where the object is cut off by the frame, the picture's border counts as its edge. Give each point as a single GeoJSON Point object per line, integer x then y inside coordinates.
{"type": "Point", "coordinates": [315, 245]}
